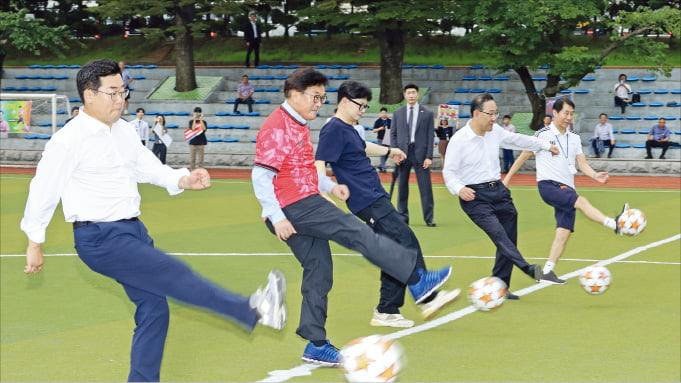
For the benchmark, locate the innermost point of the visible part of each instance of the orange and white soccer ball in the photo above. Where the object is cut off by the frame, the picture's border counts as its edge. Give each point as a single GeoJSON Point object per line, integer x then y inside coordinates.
{"type": "Point", "coordinates": [487, 293]}
{"type": "Point", "coordinates": [595, 279]}
{"type": "Point", "coordinates": [373, 358]}
{"type": "Point", "coordinates": [631, 222]}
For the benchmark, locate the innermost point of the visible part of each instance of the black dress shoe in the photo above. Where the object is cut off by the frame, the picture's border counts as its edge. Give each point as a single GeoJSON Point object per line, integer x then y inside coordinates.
{"type": "Point", "coordinates": [431, 224]}
{"type": "Point", "coordinates": [511, 296]}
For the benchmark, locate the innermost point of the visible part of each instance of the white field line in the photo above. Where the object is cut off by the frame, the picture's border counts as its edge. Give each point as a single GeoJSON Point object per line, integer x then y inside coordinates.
{"type": "Point", "coordinates": [306, 369]}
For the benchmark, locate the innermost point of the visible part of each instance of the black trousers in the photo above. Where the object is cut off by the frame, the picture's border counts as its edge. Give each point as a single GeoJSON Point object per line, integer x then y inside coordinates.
{"type": "Point", "coordinates": [317, 221]}
{"type": "Point", "coordinates": [493, 211]}
{"type": "Point", "coordinates": [657, 144]}
{"type": "Point", "coordinates": [254, 46]}
{"type": "Point", "coordinates": [424, 183]}
{"type": "Point", "coordinates": [160, 151]}
{"type": "Point", "coordinates": [384, 219]}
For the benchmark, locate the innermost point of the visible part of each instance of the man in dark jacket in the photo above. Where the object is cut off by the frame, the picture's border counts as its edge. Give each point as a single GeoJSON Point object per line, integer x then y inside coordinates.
{"type": "Point", "coordinates": [252, 37]}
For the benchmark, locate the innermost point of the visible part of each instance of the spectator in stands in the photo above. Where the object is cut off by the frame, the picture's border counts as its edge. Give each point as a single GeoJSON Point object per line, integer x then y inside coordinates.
{"type": "Point", "coordinates": [603, 135]}
{"type": "Point", "coordinates": [127, 80]}
{"type": "Point", "coordinates": [252, 37]}
{"type": "Point", "coordinates": [622, 90]}
{"type": "Point", "coordinates": [74, 113]}
{"type": "Point", "coordinates": [444, 133]}
{"type": "Point", "coordinates": [141, 126]}
{"type": "Point", "coordinates": [197, 145]}
{"type": "Point", "coordinates": [547, 121]}
{"type": "Point", "coordinates": [381, 127]}
{"type": "Point", "coordinates": [507, 154]}
{"type": "Point", "coordinates": [659, 137]}
{"type": "Point", "coordinates": [244, 95]}
{"type": "Point", "coordinates": [159, 147]}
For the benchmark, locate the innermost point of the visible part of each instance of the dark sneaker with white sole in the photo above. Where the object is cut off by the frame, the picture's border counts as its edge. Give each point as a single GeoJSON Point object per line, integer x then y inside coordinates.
{"type": "Point", "coordinates": [551, 277]}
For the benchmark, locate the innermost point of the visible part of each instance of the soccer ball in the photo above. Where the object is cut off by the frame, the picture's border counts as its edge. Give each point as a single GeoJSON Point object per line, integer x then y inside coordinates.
{"type": "Point", "coordinates": [595, 279]}
{"type": "Point", "coordinates": [373, 358]}
{"type": "Point", "coordinates": [631, 222]}
{"type": "Point", "coordinates": [487, 293]}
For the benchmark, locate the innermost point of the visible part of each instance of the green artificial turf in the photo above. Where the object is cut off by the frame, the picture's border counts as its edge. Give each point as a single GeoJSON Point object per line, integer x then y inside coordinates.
{"type": "Point", "coordinates": [70, 324]}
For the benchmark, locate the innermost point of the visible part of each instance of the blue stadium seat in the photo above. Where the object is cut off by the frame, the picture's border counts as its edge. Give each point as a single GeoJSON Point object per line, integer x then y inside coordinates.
{"type": "Point", "coordinates": [75, 100]}
{"type": "Point", "coordinates": [651, 118]}
{"type": "Point", "coordinates": [632, 78]}
{"type": "Point", "coordinates": [140, 78]}
{"type": "Point", "coordinates": [62, 112]}
{"type": "Point", "coordinates": [676, 91]}
{"type": "Point", "coordinates": [485, 78]}
{"type": "Point", "coordinates": [421, 67]}
{"type": "Point", "coordinates": [9, 88]}
{"type": "Point", "coordinates": [477, 90]}
{"type": "Point", "coordinates": [616, 118]}
{"type": "Point", "coordinates": [407, 66]}
{"type": "Point", "coordinates": [539, 78]}
{"type": "Point", "coordinates": [643, 91]}
{"type": "Point", "coordinates": [464, 115]}
{"type": "Point", "coordinates": [75, 66]}
{"type": "Point", "coordinates": [622, 146]}
{"type": "Point", "coordinates": [35, 89]}
{"type": "Point", "coordinates": [30, 136]}
{"type": "Point", "coordinates": [656, 104]}
{"type": "Point", "coordinates": [462, 90]}
{"type": "Point", "coordinates": [44, 136]}
{"type": "Point", "coordinates": [259, 89]}
{"type": "Point", "coordinates": [252, 114]}
{"type": "Point", "coordinates": [466, 103]}
{"type": "Point", "coordinates": [228, 126]}
{"type": "Point", "coordinates": [47, 77]}
{"type": "Point", "coordinates": [230, 140]}
{"type": "Point", "coordinates": [292, 67]}
{"type": "Point", "coordinates": [638, 104]}
{"type": "Point", "coordinates": [332, 89]}
{"type": "Point", "coordinates": [615, 131]}
{"type": "Point", "coordinates": [588, 78]}
{"type": "Point", "coordinates": [277, 67]}
{"type": "Point", "coordinates": [267, 77]}
{"type": "Point", "coordinates": [254, 140]}
{"type": "Point", "coordinates": [633, 117]}
{"type": "Point", "coordinates": [351, 66]}
{"type": "Point", "coordinates": [150, 66]}
{"type": "Point", "coordinates": [254, 77]}
{"type": "Point", "coordinates": [437, 66]}
{"type": "Point", "coordinates": [582, 91]}
{"type": "Point", "coordinates": [22, 77]}
{"type": "Point", "coordinates": [476, 67]}
{"type": "Point", "coordinates": [670, 118]}
{"type": "Point", "coordinates": [182, 113]}
{"type": "Point", "coordinates": [342, 77]}
{"type": "Point", "coordinates": [627, 131]}
{"type": "Point", "coordinates": [263, 67]}
{"type": "Point", "coordinates": [649, 78]}
{"type": "Point", "coordinates": [212, 126]}
{"type": "Point", "coordinates": [172, 126]}
{"type": "Point", "coordinates": [153, 113]}
{"type": "Point", "coordinates": [34, 66]}
{"type": "Point", "coordinates": [61, 77]}
{"type": "Point", "coordinates": [644, 131]}
{"type": "Point", "coordinates": [565, 91]}
{"type": "Point", "coordinates": [453, 102]}
{"type": "Point", "coordinates": [661, 91]}
{"type": "Point", "coordinates": [677, 132]}
{"type": "Point", "coordinates": [469, 78]}
{"type": "Point", "coordinates": [167, 113]}
{"type": "Point", "coordinates": [284, 77]}
{"type": "Point", "coordinates": [273, 90]}
{"type": "Point", "coordinates": [638, 146]}
{"type": "Point", "coordinates": [502, 78]}
{"type": "Point", "coordinates": [242, 127]}
{"type": "Point", "coordinates": [262, 101]}
{"type": "Point", "coordinates": [214, 139]}
{"type": "Point", "coordinates": [229, 102]}
{"type": "Point", "coordinates": [494, 90]}
{"type": "Point", "coordinates": [50, 88]}
{"type": "Point", "coordinates": [545, 67]}
{"type": "Point", "coordinates": [321, 66]}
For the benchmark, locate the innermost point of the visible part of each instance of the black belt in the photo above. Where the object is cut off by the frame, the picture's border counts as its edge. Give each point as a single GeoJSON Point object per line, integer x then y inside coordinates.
{"type": "Point", "coordinates": [485, 185]}
{"type": "Point", "coordinates": [78, 224]}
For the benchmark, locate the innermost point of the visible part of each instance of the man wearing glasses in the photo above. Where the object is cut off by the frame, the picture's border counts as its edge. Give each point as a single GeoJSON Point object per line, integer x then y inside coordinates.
{"type": "Point", "coordinates": [94, 165]}
{"type": "Point", "coordinates": [472, 172]}
{"type": "Point", "coordinates": [287, 185]}
{"type": "Point", "coordinates": [413, 132]}
{"type": "Point", "coordinates": [347, 153]}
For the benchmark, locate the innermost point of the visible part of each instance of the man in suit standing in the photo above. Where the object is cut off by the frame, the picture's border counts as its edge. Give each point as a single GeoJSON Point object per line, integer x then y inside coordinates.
{"type": "Point", "coordinates": [252, 36]}
{"type": "Point", "coordinates": [412, 132]}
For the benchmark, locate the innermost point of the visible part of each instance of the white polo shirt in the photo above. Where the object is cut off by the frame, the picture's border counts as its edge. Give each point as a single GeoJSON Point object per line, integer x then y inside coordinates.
{"type": "Point", "coordinates": [557, 168]}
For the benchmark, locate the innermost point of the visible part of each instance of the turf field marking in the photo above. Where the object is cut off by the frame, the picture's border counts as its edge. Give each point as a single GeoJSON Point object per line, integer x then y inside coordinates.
{"type": "Point", "coordinates": [304, 370]}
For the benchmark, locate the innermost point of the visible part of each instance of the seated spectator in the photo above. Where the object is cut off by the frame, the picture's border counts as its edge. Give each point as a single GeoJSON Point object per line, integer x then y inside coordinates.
{"type": "Point", "coordinates": [243, 95]}
{"type": "Point", "coordinates": [622, 90]}
{"type": "Point", "coordinates": [602, 136]}
{"type": "Point", "coordinates": [547, 121]}
{"type": "Point", "coordinates": [659, 137]}
{"type": "Point", "coordinates": [74, 112]}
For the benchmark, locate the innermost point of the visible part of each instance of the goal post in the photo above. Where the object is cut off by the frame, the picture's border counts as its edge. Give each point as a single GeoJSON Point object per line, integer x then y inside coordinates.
{"type": "Point", "coordinates": [41, 102]}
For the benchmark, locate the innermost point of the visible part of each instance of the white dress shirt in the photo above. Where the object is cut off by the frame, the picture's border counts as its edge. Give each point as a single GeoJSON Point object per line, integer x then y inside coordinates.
{"type": "Point", "coordinates": [473, 159]}
{"type": "Point", "coordinates": [557, 168]}
{"type": "Point", "coordinates": [94, 170]}
{"type": "Point", "coordinates": [142, 129]}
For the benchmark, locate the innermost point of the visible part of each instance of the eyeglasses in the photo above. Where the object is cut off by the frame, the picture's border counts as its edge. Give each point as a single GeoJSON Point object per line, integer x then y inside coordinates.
{"type": "Point", "coordinates": [362, 107]}
{"type": "Point", "coordinates": [316, 98]}
{"type": "Point", "coordinates": [493, 115]}
{"type": "Point", "coordinates": [122, 94]}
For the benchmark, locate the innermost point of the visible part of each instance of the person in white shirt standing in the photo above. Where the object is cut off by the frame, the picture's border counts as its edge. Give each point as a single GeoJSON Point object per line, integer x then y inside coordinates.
{"type": "Point", "coordinates": [141, 126]}
{"type": "Point", "coordinates": [603, 135]}
{"type": "Point", "coordinates": [556, 182]}
{"type": "Point", "coordinates": [473, 173]}
{"type": "Point", "coordinates": [94, 165]}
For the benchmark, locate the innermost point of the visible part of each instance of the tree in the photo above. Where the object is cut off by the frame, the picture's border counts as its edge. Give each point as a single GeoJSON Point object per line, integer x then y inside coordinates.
{"type": "Point", "coordinates": [525, 35]}
{"type": "Point", "coordinates": [391, 23]}
{"type": "Point", "coordinates": [28, 34]}
{"type": "Point", "coordinates": [188, 21]}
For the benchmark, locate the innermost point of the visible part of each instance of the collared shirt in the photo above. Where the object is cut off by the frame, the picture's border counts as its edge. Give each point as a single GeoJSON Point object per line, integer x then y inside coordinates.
{"type": "Point", "coordinates": [473, 159]}
{"type": "Point", "coordinates": [557, 168]}
{"type": "Point", "coordinates": [622, 90]}
{"type": "Point", "coordinates": [255, 29]}
{"type": "Point", "coordinates": [142, 129]}
{"type": "Point", "coordinates": [94, 170]}
{"type": "Point", "coordinates": [509, 128]}
{"type": "Point", "coordinates": [127, 76]}
{"type": "Point", "coordinates": [658, 133]}
{"type": "Point", "coordinates": [245, 90]}
{"type": "Point", "coordinates": [415, 118]}
{"type": "Point", "coordinates": [284, 171]}
{"type": "Point", "coordinates": [603, 132]}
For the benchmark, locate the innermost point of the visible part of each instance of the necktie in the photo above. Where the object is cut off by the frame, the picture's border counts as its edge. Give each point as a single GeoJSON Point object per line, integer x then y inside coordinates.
{"type": "Point", "coordinates": [410, 123]}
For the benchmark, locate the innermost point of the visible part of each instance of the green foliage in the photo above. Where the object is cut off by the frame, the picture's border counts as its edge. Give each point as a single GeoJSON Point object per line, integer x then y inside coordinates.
{"type": "Point", "coordinates": [29, 35]}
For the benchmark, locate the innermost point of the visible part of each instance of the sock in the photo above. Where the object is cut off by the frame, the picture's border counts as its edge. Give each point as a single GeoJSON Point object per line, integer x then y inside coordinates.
{"type": "Point", "coordinates": [318, 343]}
{"type": "Point", "coordinates": [610, 223]}
{"type": "Point", "coordinates": [548, 267]}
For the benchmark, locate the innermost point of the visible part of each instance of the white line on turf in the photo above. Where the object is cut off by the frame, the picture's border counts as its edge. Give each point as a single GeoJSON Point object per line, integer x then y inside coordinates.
{"type": "Point", "coordinates": [306, 369]}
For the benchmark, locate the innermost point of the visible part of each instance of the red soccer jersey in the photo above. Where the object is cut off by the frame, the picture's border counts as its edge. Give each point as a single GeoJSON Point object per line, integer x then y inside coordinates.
{"type": "Point", "coordinates": [284, 146]}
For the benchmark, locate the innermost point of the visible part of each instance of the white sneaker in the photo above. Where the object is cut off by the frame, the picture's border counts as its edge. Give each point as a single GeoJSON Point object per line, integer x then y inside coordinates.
{"type": "Point", "coordinates": [442, 299]}
{"type": "Point", "coordinates": [390, 320]}
{"type": "Point", "coordinates": [271, 302]}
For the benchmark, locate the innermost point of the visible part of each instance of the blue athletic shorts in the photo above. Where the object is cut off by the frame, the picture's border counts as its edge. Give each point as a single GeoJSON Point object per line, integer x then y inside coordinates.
{"type": "Point", "coordinates": [562, 198]}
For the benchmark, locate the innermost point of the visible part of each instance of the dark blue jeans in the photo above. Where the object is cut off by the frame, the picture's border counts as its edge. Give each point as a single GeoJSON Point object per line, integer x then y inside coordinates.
{"type": "Point", "coordinates": [384, 219]}
{"type": "Point", "coordinates": [123, 251]}
{"type": "Point", "coordinates": [493, 211]}
{"type": "Point", "coordinates": [508, 159]}
{"type": "Point", "coordinates": [317, 221]}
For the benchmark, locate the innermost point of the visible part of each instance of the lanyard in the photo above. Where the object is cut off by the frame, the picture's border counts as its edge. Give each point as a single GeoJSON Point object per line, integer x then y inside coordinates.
{"type": "Point", "coordinates": [567, 144]}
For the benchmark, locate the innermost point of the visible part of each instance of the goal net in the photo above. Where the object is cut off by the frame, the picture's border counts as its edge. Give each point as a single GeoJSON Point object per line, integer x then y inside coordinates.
{"type": "Point", "coordinates": [22, 112]}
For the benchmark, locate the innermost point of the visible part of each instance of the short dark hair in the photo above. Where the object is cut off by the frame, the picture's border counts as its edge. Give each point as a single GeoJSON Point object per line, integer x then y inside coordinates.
{"type": "Point", "coordinates": [383, 109]}
{"type": "Point", "coordinates": [602, 114]}
{"type": "Point", "coordinates": [478, 101]}
{"type": "Point", "coordinates": [506, 116]}
{"type": "Point", "coordinates": [244, 76]}
{"type": "Point", "coordinates": [88, 76]}
{"type": "Point", "coordinates": [353, 89]}
{"type": "Point", "coordinates": [197, 109]}
{"type": "Point", "coordinates": [302, 79]}
{"type": "Point", "coordinates": [411, 86]}
{"type": "Point", "coordinates": [139, 110]}
{"type": "Point", "coordinates": [662, 119]}
{"type": "Point", "coordinates": [74, 109]}
{"type": "Point", "coordinates": [559, 104]}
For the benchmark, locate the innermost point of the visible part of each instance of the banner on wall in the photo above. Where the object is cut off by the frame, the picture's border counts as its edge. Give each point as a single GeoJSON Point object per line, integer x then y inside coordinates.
{"type": "Point", "coordinates": [447, 112]}
{"type": "Point", "coordinates": [15, 116]}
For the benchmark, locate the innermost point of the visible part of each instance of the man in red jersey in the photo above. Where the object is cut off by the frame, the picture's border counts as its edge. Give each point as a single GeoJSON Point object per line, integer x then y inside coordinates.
{"type": "Point", "coordinates": [286, 183]}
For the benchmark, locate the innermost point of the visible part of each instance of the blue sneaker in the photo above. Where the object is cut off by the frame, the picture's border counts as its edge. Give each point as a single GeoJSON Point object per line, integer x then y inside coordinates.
{"type": "Point", "coordinates": [326, 355]}
{"type": "Point", "coordinates": [429, 282]}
